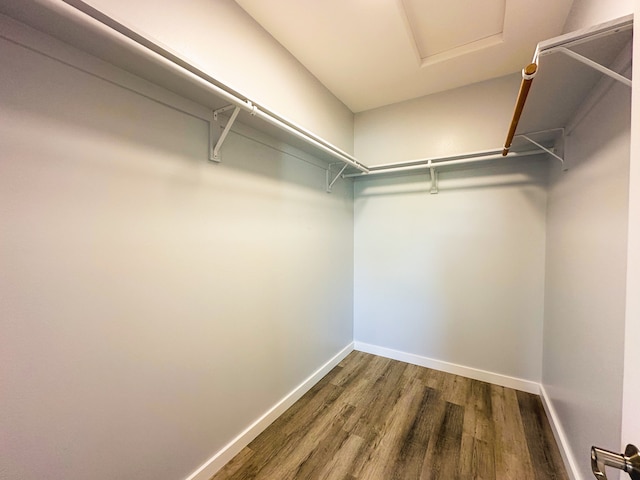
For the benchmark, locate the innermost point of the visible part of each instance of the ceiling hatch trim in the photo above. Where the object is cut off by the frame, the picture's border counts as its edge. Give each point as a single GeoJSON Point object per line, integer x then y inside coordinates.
{"type": "Point", "coordinates": [438, 34]}
{"type": "Point", "coordinates": [366, 54]}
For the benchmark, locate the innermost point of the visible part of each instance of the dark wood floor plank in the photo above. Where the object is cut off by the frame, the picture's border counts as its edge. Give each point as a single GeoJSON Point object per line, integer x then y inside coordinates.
{"type": "Point", "coordinates": [359, 390]}
{"type": "Point", "coordinates": [294, 450]}
{"type": "Point", "coordinates": [467, 467]}
{"type": "Point", "coordinates": [422, 374]}
{"type": "Point", "coordinates": [431, 378]}
{"type": "Point", "coordinates": [358, 364]}
{"type": "Point", "coordinates": [383, 457]}
{"type": "Point", "coordinates": [332, 441]}
{"type": "Point", "coordinates": [372, 418]}
{"type": "Point", "coordinates": [439, 463]}
{"type": "Point", "coordinates": [477, 456]}
{"type": "Point", "coordinates": [296, 419]}
{"type": "Point", "coordinates": [346, 460]}
{"type": "Point", "coordinates": [455, 389]}
{"type": "Point", "coordinates": [480, 399]}
{"type": "Point", "coordinates": [309, 406]}
{"type": "Point", "coordinates": [290, 431]}
{"type": "Point", "coordinates": [543, 452]}
{"type": "Point", "coordinates": [379, 400]}
{"type": "Point", "coordinates": [410, 459]}
{"type": "Point", "coordinates": [511, 453]}
{"type": "Point", "coordinates": [483, 463]}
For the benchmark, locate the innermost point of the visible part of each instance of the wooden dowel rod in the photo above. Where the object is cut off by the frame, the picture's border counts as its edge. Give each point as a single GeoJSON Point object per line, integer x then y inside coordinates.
{"type": "Point", "coordinates": [527, 79]}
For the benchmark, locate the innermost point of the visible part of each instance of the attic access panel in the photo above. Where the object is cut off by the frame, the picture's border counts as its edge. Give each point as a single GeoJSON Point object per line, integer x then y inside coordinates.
{"type": "Point", "coordinates": [461, 27]}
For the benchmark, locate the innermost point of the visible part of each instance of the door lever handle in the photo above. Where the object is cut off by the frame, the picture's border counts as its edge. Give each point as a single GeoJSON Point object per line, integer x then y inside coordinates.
{"type": "Point", "coordinates": [628, 462]}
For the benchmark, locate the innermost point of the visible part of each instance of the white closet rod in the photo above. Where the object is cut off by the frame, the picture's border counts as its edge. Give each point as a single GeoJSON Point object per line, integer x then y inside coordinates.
{"type": "Point", "coordinates": [444, 161]}
{"type": "Point", "coordinates": [84, 15]}
{"type": "Point", "coordinates": [571, 40]}
{"type": "Point", "coordinates": [80, 12]}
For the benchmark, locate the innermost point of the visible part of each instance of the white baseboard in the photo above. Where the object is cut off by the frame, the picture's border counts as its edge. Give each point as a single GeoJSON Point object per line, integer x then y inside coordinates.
{"type": "Point", "coordinates": [469, 372]}
{"type": "Point", "coordinates": [217, 461]}
{"type": "Point", "coordinates": [561, 439]}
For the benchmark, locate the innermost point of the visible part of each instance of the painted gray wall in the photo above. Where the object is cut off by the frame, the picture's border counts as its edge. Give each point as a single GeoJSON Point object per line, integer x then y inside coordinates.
{"type": "Point", "coordinates": [457, 276]}
{"type": "Point", "coordinates": [222, 39]}
{"type": "Point", "coordinates": [153, 304]}
{"type": "Point", "coordinates": [586, 267]}
{"type": "Point", "coordinates": [585, 13]}
{"type": "Point", "coordinates": [463, 120]}
{"type": "Point", "coordinates": [587, 415]}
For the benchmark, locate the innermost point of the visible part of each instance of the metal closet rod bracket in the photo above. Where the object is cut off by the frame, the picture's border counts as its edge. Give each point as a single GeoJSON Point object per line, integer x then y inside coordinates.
{"type": "Point", "coordinates": [330, 182]}
{"type": "Point", "coordinates": [549, 151]}
{"type": "Point", "coordinates": [434, 179]}
{"type": "Point", "coordinates": [595, 65]}
{"type": "Point", "coordinates": [216, 137]}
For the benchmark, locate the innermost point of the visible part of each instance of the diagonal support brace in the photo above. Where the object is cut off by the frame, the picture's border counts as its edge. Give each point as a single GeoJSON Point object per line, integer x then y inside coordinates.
{"type": "Point", "coordinates": [331, 183]}
{"type": "Point", "coordinates": [214, 150]}
{"type": "Point", "coordinates": [595, 65]}
{"type": "Point", "coordinates": [550, 152]}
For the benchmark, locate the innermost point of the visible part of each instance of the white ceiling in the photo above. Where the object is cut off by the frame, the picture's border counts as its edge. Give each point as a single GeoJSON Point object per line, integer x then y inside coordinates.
{"type": "Point", "coordinates": [371, 53]}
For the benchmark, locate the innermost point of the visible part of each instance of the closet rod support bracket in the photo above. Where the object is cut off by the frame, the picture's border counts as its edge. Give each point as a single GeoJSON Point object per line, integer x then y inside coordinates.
{"type": "Point", "coordinates": [218, 111]}
{"type": "Point", "coordinates": [595, 65]}
{"type": "Point", "coordinates": [331, 182]}
{"type": "Point", "coordinates": [216, 137]}
{"type": "Point", "coordinates": [434, 179]}
{"type": "Point", "coordinates": [547, 150]}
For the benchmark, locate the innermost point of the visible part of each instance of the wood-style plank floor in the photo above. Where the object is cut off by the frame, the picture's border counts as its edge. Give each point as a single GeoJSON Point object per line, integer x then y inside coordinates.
{"type": "Point", "coordinates": [373, 418]}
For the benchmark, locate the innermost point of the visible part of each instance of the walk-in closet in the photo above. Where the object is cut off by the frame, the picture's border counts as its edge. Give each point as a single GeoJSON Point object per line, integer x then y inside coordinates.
{"type": "Point", "coordinates": [319, 240]}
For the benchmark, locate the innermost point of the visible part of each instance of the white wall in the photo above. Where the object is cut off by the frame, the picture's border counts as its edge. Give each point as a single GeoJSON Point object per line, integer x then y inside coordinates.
{"type": "Point", "coordinates": [152, 304]}
{"type": "Point", "coordinates": [585, 13]}
{"type": "Point", "coordinates": [586, 279]}
{"type": "Point", "coordinates": [458, 276]}
{"type": "Point", "coordinates": [227, 43]}
{"type": "Point", "coordinates": [463, 120]}
{"type": "Point", "coordinates": [585, 317]}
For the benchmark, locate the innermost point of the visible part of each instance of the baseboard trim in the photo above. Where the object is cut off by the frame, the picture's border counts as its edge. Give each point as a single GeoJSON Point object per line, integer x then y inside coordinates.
{"type": "Point", "coordinates": [469, 372]}
{"type": "Point", "coordinates": [561, 439]}
{"type": "Point", "coordinates": [224, 455]}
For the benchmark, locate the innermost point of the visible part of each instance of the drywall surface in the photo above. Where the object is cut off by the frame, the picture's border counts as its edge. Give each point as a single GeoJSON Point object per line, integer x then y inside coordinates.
{"type": "Point", "coordinates": [463, 120]}
{"type": "Point", "coordinates": [457, 276]}
{"type": "Point", "coordinates": [228, 44]}
{"type": "Point", "coordinates": [586, 279]}
{"type": "Point", "coordinates": [631, 385]}
{"type": "Point", "coordinates": [152, 304]}
{"type": "Point", "coordinates": [585, 13]}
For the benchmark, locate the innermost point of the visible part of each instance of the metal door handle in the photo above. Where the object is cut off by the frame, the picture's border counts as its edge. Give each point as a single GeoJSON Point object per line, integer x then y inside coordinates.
{"type": "Point", "coordinates": [628, 462]}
